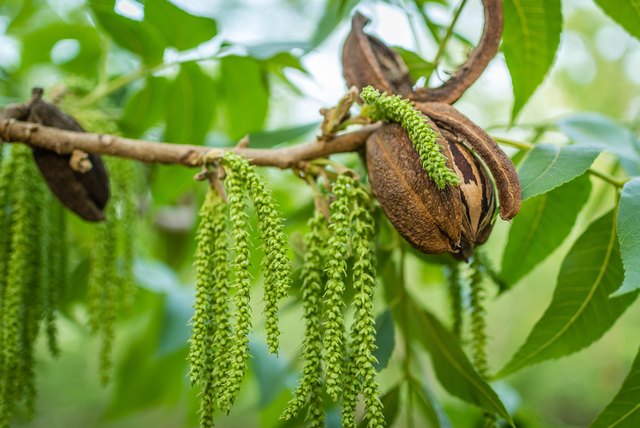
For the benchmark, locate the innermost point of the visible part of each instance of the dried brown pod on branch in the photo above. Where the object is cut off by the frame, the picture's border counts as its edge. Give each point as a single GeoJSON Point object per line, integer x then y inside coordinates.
{"type": "Point", "coordinates": [456, 218]}
{"type": "Point", "coordinates": [85, 190]}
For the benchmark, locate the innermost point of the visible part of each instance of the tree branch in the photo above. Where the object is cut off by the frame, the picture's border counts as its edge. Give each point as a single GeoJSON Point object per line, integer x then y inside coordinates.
{"type": "Point", "coordinates": [63, 142]}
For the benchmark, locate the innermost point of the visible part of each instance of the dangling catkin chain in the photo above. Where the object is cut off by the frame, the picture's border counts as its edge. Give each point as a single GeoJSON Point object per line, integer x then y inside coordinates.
{"type": "Point", "coordinates": [454, 282]}
{"type": "Point", "coordinates": [361, 375]}
{"type": "Point", "coordinates": [396, 109]}
{"type": "Point", "coordinates": [334, 329]}
{"type": "Point", "coordinates": [210, 303]}
{"type": "Point", "coordinates": [310, 388]}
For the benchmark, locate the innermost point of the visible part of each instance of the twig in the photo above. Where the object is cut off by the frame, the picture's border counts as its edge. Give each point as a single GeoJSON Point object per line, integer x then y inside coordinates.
{"type": "Point", "coordinates": [63, 142]}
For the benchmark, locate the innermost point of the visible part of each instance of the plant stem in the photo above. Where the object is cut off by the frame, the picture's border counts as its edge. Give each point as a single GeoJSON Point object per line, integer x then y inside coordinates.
{"type": "Point", "coordinates": [447, 35]}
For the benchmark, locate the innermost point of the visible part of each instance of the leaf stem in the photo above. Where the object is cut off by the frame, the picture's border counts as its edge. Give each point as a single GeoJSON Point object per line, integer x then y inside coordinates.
{"type": "Point", "coordinates": [445, 40]}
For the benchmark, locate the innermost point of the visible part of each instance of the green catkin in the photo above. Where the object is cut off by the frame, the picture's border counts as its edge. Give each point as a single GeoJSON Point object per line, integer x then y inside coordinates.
{"type": "Point", "coordinates": [57, 270]}
{"type": "Point", "coordinates": [454, 282]}
{"type": "Point", "coordinates": [333, 344]}
{"type": "Point", "coordinates": [275, 264]}
{"type": "Point", "coordinates": [362, 373]}
{"type": "Point", "coordinates": [479, 329]}
{"type": "Point", "coordinates": [396, 109]}
{"type": "Point", "coordinates": [310, 387]}
{"type": "Point", "coordinates": [236, 183]}
{"type": "Point", "coordinates": [5, 247]}
{"type": "Point", "coordinates": [211, 278]}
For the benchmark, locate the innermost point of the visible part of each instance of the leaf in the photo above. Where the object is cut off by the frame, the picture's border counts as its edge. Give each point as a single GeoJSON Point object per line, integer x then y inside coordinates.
{"type": "Point", "coordinates": [452, 367]}
{"type": "Point", "coordinates": [581, 310]}
{"type": "Point", "coordinates": [144, 108]}
{"type": "Point", "coordinates": [178, 28]}
{"type": "Point", "coordinates": [246, 99]}
{"type": "Point", "coordinates": [264, 139]}
{"type": "Point", "coordinates": [191, 106]}
{"type": "Point", "coordinates": [430, 406]}
{"type": "Point", "coordinates": [271, 372]}
{"type": "Point", "coordinates": [624, 410]}
{"type": "Point", "coordinates": [624, 12]}
{"type": "Point", "coordinates": [530, 41]}
{"type": "Point", "coordinates": [598, 130]}
{"type": "Point", "coordinates": [629, 234]}
{"type": "Point", "coordinates": [334, 12]}
{"type": "Point", "coordinates": [418, 66]}
{"type": "Point", "coordinates": [548, 166]}
{"type": "Point", "coordinates": [544, 222]}
{"type": "Point", "coordinates": [385, 340]}
{"type": "Point", "coordinates": [137, 37]}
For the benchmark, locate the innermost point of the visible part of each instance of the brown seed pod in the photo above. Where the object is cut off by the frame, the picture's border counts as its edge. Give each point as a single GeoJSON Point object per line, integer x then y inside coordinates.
{"type": "Point", "coordinates": [501, 167]}
{"type": "Point", "coordinates": [434, 221]}
{"type": "Point", "coordinates": [85, 193]}
{"type": "Point", "coordinates": [368, 61]}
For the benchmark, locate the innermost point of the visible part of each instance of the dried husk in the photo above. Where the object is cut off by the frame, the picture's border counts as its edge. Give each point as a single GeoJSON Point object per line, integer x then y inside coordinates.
{"type": "Point", "coordinates": [368, 61]}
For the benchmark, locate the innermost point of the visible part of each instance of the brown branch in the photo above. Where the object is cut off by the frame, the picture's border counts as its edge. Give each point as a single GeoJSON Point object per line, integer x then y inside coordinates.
{"type": "Point", "coordinates": [468, 73]}
{"type": "Point", "coordinates": [63, 142]}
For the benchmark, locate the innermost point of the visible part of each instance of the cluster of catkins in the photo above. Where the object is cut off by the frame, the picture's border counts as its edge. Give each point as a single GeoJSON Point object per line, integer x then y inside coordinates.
{"type": "Point", "coordinates": [340, 363]}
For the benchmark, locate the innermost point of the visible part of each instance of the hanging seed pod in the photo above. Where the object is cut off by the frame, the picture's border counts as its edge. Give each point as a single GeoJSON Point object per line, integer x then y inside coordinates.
{"type": "Point", "coordinates": [85, 191]}
{"type": "Point", "coordinates": [368, 61]}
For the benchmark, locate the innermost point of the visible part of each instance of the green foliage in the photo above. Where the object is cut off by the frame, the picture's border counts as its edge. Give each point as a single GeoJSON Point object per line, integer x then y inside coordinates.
{"type": "Point", "coordinates": [581, 310]}
{"type": "Point", "coordinates": [395, 109]}
{"type": "Point", "coordinates": [548, 166]}
{"type": "Point", "coordinates": [623, 411]}
{"type": "Point", "coordinates": [544, 222]}
{"type": "Point", "coordinates": [531, 38]}
{"type": "Point", "coordinates": [624, 12]}
{"type": "Point", "coordinates": [629, 234]}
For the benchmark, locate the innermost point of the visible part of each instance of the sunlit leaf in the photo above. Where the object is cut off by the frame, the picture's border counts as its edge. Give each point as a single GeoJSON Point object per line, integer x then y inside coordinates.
{"type": "Point", "coordinates": [624, 12]}
{"type": "Point", "coordinates": [178, 28]}
{"type": "Point", "coordinates": [189, 113]}
{"type": "Point", "coordinates": [581, 310]}
{"type": "Point", "coordinates": [418, 66]}
{"type": "Point", "coordinates": [629, 234]}
{"type": "Point", "coordinates": [145, 107]}
{"type": "Point", "coordinates": [452, 367]}
{"type": "Point", "coordinates": [334, 12]}
{"type": "Point", "coordinates": [548, 166]}
{"type": "Point", "coordinates": [541, 226]}
{"type": "Point", "coordinates": [263, 139]}
{"type": "Point", "coordinates": [429, 406]}
{"type": "Point", "coordinates": [624, 410]}
{"type": "Point", "coordinates": [385, 339]}
{"type": "Point", "coordinates": [530, 41]}
{"type": "Point", "coordinates": [137, 37]}
{"type": "Point", "coordinates": [598, 130]}
{"type": "Point", "coordinates": [245, 93]}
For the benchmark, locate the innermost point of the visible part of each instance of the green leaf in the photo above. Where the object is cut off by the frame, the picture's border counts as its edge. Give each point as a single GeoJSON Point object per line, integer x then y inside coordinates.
{"type": "Point", "coordinates": [42, 40]}
{"type": "Point", "coordinates": [178, 28]}
{"type": "Point", "coordinates": [246, 99]}
{"type": "Point", "coordinates": [548, 166]}
{"type": "Point", "coordinates": [452, 367]}
{"type": "Point", "coordinates": [430, 406]}
{"type": "Point", "coordinates": [624, 12]}
{"type": "Point", "coordinates": [385, 340]}
{"type": "Point", "coordinates": [581, 310]}
{"type": "Point", "coordinates": [190, 112]}
{"type": "Point", "coordinates": [418, 66]}
{"type": "Point", "coordinates": [272, 373]}
{"type": "Point", "coordinates": [144, 108]}
{"type": "Point", "coordinates": [541, 226]}
{"type": "Point", "coordinates": [598, 130]}
{"type": "Point", "coordinates": [629, 234]}
{"type": "Point", "coordinates": [624, 410]}
{"type": "Point", "coordinates": [264, 139]}
{"type": "Point", "coordinates": [530, 41]}
{"type": "Point", "coordinates": [137, 37]}
{"type": "Point", "coordinates": [335, 11]}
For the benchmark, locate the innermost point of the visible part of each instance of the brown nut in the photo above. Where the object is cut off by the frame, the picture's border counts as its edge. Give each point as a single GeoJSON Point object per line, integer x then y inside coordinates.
{"type": "Point", "coordinates": [368, 61]}
{"type": "Point", "coordinates": [434, 221]}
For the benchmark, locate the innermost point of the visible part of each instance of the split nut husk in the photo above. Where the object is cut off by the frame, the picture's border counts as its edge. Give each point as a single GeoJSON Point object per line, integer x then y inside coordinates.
{"type": "Point", "coordinates": [455, 219]}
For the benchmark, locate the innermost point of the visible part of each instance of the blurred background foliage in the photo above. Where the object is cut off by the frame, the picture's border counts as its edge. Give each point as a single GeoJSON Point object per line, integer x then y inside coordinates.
{"type": "Point", "coordinates": [209, 72]}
